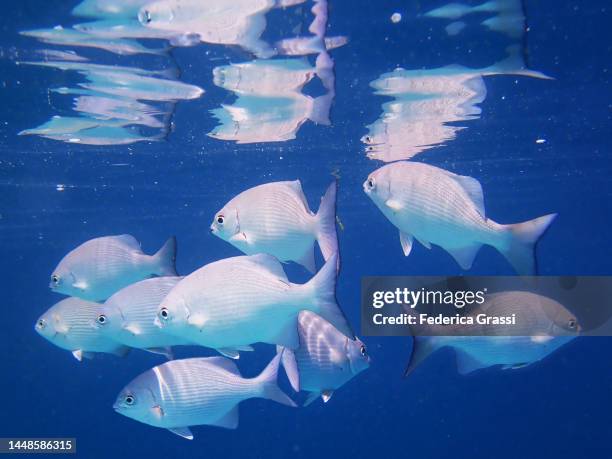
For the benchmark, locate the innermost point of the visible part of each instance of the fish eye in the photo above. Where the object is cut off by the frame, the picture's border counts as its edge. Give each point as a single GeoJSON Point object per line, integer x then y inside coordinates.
{"type": "Point", "coordinates": [102, 319]}
{"type": "Point", "coordinates": [368, 139]}
{"type": "Point", "coordinates": [220, 219]}
{"type": "Point", "coordinates": [129, 399]}
{"type": "Point", "coordinates": [369, 149]}
{"type": "Point", "coordinates": [147, 16]}
{"type": "Point", "coordinates": [164, 313]}
{"type": "Point", "coordinates": [370, 183]}
{"type": "Point", "coordinates": [363, 351]}
{"type": "Point", "coordinates": [55, 279]}
{"type": "Point", "coordinates": [571, 324]}
{"type": "Point", "coordinates": [41, 324]}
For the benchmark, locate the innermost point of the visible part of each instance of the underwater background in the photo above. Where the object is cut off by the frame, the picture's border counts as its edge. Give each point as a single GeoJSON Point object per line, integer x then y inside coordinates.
{"type": "Point", "coordinates": [538, 146]}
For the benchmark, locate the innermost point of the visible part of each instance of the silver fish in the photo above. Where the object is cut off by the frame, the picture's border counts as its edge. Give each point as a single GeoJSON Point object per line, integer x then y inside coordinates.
{"type": "Point", "coordinates": [550, 326]}
{"type": "Point", "coordinates": [325, 360]}
{"type": "Point", "coordinates": [240, 301]}
{"type": "Point", "coordinates": [435, 206]}
{"type": "Point", "coordinates": [128, 316]}
{"type": "Point", "coordinates": [275, 218]}
{"type": "Point", "coordinates": [102, 266]}
{"type": "Point", "coordinates": [183, 393]}
{"type": "Point", "coordinates": [68, 325]}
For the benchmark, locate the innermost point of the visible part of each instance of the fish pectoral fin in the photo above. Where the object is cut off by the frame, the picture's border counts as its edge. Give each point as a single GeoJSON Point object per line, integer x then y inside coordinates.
{"type": "Point", "coordinates": [464, 255]}
{"type": "Point", "coordinates": [541, 339]}
{"type": "Point", "coordinates": [425, 244]}
{"type": "Point", "coordinates": [394, 205]}
{"type": "Point", "coordinates": [229, 420]}
{"type": "Point", "coordinates": [326, 395]}
{"type": "Point", "coordinates": [311, 398]}
{"type": "Point", "coordinates": [229, 352]}
{"type": "Point", "coordinates": [406, 241]}
{"type": "Point", "coordinates": [197, 320]}
{"type": "Point", "coordinates": [240, 238]}
{"type": "Point", "coordinates": [158, 412]}
{"type": "Point", "coordinates": [133, 329]}
{"type": "Point", "coordinates": [165, 351]}
{"type": "Point", "coordinates": [467, 363]}
{"type": "Point", "coordinates": [80, 285]}
{"type": "Point", "coordinates": [182, 432]}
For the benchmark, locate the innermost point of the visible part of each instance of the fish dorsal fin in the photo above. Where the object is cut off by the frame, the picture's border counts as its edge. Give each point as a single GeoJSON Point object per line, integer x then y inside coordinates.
{"type": "Point", "coordinates": [406, 241]}
{"type": "Point", "coordinates": [128, 240]}
{"type": "Point", "coordinates": [296, 186]}
{"type": "Point", "coordinates": [182, 432]}
{"type": "Point", "coordinates": [464, 255]}
{"type": "Point", "coordinates": [466, 363]}
{"type": "Point", "coordinates": [473, 188]}
{"type": "Point", "coordinates": [229, 420]}
{"type": "Point", "coordinates": [326, 395]}
{"type": "Point", "coordinates": [270, 264]}
{"type": "Point", "coordinates": [224, 363]}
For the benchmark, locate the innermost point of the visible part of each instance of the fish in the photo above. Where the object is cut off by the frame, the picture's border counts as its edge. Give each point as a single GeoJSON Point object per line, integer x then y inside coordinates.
{"type": "Point", "coordinates": [239, 301]}
{"type": "Point", "coordinates": [68, 325]}
{"type": "Point", "coordinates": [454, 28]}
{"type": "Point", "coordinates": [274, 218]}
{"type": "Point", "coordinates": [435, 206]}
{"type": "Point", "coordinates": [550, 326]}
{"type": "Point", "coordinates": [102, 266]}
{"type": "Point", "coordinates": [128, 316]}
{"type": "Point", "coordinates": [325, 360]}
{"type": "Point", "coordinates": [198, 391]}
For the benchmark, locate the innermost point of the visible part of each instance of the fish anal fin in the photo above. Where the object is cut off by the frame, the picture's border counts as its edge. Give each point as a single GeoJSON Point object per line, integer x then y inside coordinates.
{"type": "Point", "coordinates": [464, 255]}
{"type": "Point", "coordinates": [326, 395]}
{"type": "Point", "coordinates": [467, 363]}
{"type": "Point", "coordinates": [165, 351]}
{"type": "Point", "coordinates": [229, 420]}
{"type": "Point", "coordinates": [312, 396]}
{"type": "Point", "coordinates": [229, 353]}
{"type": "Point", "coordinates": [424, 243]}
{"type": "Point", "coordinates": [182, 432]}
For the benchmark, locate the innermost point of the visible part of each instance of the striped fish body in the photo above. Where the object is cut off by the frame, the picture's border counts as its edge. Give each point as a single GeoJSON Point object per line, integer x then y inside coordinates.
{"type": "Point", "coordinates": [69, 325]}
{"type": "Point", "coordinates": [129, 314]}
{"type": "Point", "coordinates": [100, 267]}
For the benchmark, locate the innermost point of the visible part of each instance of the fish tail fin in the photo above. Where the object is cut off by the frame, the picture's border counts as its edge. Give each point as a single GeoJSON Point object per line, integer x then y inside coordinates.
{"type": "Point", "coordinates": [268, 385]}
{"type": "Point", "coordinates": [326, 223]}
{"type": "Point", "coordinates": [290, 365]}
{"type": "Point", "coordinates": [520, 252]}
{"type": "Point", "coordinates": [321, 106]}
{"type": "Point", "coordinates": [514, 64]}
{"type": "Point", "coordinates": [422, 347]}
{"type": "Point", "coordinates": [166, 258]}
{"type": "Point", "coordinates": [322, 293]}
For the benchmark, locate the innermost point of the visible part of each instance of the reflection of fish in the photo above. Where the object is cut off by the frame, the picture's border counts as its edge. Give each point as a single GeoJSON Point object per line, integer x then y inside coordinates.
{"type": "Point", "coordinates": [426, 101]}
{"type": "Point", "coordinates": [68, 324]}
{"type": "Point", "coordinates": [100, 267]}
{"type": "Point", "coordinates": [275, 218]}
{"type": "Point", "coordinates": [109, 8]}
{"type": "Point", "coordinates": [71, 37]}
{"type": "Point", "coordinates": [325, 360]}
{"type": "Point", "coordinates": [238, 301]}
{"type": "Point", "coordinates": [183, 393]}
{"type": "Point", "coordinates": [128, 316]}
{"type": "Point", "coordinates": [546, 322]}
{"type": "Point", "coordinates": [435, 206]}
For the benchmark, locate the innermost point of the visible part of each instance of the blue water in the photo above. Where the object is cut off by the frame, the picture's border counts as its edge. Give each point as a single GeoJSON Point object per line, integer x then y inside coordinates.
{"type": "Point", "coordinates": [556, 408]}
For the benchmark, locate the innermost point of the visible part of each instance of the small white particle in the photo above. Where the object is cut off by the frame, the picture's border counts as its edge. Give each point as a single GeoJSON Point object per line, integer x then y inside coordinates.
{"type": "Point", "coordinates": [396, 17]}
{"type": "Point", "coordinates": [60, 187]}
{"type": "Point", "coordinates": [541, 141]}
